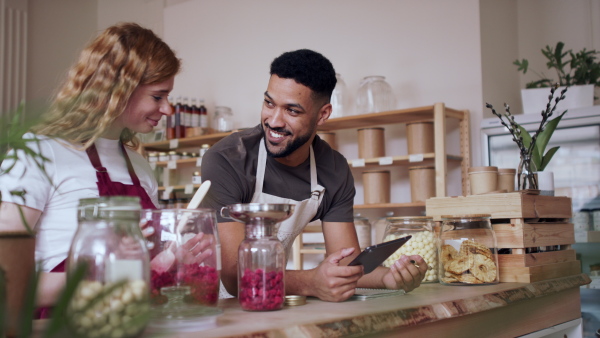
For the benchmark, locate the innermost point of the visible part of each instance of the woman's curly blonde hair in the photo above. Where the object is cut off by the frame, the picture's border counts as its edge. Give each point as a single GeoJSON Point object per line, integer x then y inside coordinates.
{"type": "Point", "coordinates": [99, 85]}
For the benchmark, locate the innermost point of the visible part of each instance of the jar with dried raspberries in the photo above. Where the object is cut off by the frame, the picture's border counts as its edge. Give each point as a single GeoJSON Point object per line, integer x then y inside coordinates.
{"type": "Point", "coordinates": [185, 254]}
{"type": "Point", "coordinates": [261, 256]}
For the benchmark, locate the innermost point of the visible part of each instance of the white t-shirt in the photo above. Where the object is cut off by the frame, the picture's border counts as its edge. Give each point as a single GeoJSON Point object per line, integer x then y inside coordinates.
{"type": "Point", "coordinates": [72, 177]}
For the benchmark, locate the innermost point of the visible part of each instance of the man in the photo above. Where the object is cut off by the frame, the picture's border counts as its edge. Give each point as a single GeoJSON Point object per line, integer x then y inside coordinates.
{"type": "Point", "coordinates": [272, 163]}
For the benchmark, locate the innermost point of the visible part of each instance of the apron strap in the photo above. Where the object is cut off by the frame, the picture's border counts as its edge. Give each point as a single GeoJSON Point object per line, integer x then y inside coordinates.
{"type": "Point", "coordinates": [94, 158]}
{"type": "Point", "coordinates": [317, 190]}
{"type": "Point", "coordinates": [134, 178]}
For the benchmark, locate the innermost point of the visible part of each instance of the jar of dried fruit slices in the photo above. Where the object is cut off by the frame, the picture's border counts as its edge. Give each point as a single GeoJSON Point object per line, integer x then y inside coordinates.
{"type": "Point", "coordinates": [467, 250]}
{"type": "Point", "coordinates": [422, 242]}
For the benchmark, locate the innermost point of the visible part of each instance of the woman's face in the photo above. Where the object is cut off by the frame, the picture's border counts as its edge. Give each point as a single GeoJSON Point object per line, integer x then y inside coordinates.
{"type": "Point", "coordinates": [146, 106]}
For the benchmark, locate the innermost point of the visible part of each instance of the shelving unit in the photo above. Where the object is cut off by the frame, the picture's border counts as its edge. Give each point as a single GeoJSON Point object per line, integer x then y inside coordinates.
{"type": "Point", "coordinates": [438, 113]}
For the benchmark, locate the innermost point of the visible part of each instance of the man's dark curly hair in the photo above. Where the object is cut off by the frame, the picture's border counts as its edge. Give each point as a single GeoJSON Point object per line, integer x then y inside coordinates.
{"type": "Point", "coordinates": [308, 68]}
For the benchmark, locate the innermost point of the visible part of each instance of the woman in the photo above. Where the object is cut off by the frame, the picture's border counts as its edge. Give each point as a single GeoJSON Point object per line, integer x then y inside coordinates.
{"type": "Point", "coordinates": [118, 87]}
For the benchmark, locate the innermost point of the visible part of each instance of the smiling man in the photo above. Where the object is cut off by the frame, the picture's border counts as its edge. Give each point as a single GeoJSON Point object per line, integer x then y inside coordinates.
{"type": "Point", "coordinates": [283, 161]}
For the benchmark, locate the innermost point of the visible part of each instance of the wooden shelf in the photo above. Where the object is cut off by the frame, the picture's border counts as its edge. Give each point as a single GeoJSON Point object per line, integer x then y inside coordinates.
{"type": "Point", "coordinates": [178, 187]}
{"type": "Point", "coordinates": [388, 117]}
{"type": "Point", "coordinates": [187, 161]}
{"type": "Point", "coordinates": [187, 142]}
{"type": "Point", "coordinates": [390, 205]}
{"type": "Point", "coordinates": [399, 160]}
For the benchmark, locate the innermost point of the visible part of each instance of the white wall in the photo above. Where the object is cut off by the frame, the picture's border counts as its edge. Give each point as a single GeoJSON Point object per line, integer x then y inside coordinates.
{"type": "Point", "coordinates": [499, 48]}
{"type": "Point", "coordinates": [428, 50]}
{"type": "Point", "coordinates": [57, 32]}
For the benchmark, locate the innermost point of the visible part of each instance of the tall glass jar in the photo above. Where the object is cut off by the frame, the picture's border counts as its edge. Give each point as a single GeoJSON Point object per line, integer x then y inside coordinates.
{"type": "Point", "coordinates": [340, 101]}
{"type": "Point", "coordinates": [112, 299]}
{"type": "Point", "coordinates": [422, 243]}
{"type": "Point", "coordinates": [468, 250]}
{"type": "Point", "coordinates": [374, 95]}
{"type": "Point", "coordinates": [261, 256]}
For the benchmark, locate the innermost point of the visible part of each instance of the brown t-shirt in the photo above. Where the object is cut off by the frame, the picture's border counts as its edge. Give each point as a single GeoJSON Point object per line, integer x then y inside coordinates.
{"type": "Point", "coordinates": [231, 164]}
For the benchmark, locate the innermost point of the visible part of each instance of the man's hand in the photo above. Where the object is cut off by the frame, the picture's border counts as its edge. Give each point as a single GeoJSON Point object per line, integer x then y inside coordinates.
{"type": "Point", "coordinates": [335, 283]}
{"type": "Point", "coordinates": [404, 274]}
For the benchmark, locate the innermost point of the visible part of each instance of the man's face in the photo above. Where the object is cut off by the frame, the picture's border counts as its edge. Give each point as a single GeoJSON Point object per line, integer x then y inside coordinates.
{"type": "Point", "coordinates": [289, 117]}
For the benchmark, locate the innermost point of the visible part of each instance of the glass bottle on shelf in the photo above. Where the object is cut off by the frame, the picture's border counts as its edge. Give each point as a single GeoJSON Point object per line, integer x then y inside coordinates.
{"type": "Point", "coordinates": [261, 256]}
{"type": "Point", "coordinates": [467, 249]}
{"type": "Point", "coordinates": [203, 115]}
{"type": "Point", "coordinates": [422, 243]}
{"type": "Point", "coordinates": [110, 246]}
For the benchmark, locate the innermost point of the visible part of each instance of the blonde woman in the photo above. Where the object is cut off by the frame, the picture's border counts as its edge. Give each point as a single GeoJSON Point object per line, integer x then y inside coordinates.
{"type": "Point", "coordinates": [117, 88]}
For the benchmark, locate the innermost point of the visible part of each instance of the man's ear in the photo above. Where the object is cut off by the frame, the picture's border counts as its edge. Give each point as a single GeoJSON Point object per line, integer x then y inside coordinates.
{"type": "Point", "coordinates": [324, 114]}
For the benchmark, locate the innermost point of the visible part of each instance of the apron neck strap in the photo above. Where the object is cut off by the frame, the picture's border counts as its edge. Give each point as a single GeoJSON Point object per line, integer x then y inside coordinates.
{"type": "Point", "coordinates": [92, 153]}
{"type": "Point", "coordinates": [262, 164]}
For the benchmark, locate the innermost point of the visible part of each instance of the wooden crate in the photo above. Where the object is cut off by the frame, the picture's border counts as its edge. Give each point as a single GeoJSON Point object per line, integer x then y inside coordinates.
{"type": "Point", "coordinates": [507, 205]}
{"type": "Point", "coordinates": [523, 224]}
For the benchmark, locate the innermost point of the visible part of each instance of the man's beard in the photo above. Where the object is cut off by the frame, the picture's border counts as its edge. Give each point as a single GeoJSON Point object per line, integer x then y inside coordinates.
{"type": "Point", "coordinates": [291, 147]}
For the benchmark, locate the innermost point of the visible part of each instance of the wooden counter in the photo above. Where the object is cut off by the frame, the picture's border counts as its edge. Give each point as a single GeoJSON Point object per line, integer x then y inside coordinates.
{"type": "Point", "coordinates": [433, 310]}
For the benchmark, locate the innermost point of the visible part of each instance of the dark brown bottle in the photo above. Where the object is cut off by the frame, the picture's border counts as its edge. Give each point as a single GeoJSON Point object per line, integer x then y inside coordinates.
{"type": "Point", "coordinates": [179, 127]}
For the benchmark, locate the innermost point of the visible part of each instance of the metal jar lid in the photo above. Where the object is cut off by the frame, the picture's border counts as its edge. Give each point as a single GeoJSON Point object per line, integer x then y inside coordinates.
{"type": "Point", "coordinates": [295, 300]}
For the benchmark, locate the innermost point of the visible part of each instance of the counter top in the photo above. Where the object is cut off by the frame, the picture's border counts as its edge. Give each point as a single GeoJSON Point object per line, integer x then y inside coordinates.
{"type": "Point", "coordinates": [505, 309]}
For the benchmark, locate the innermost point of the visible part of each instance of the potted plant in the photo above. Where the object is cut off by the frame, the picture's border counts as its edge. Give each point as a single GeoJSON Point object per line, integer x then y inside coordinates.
{"type": "Point", "coordinates": [17, 262]}
{"type": "Point", "coordinates": [580, 71]}
{"type": "Point", "coordinates": [532, 148]}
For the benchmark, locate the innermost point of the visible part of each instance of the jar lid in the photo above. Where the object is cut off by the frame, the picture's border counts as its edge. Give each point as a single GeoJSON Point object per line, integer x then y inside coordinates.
{"type": "Point", "coordinates": [162, 153]}
{"type": "Point", "coordinates": [371, 128]}
{"type": "Point", "coordinates": [421, 167]}
{"type": "Point", "coordinates": [466, 216]}
{"type": "Point", "coordinates": [295, 300]}
{"type": "Point", "coordinates": [151, 154]}
{"type": "Point", "coordinates": [196, 173]}
{"type": "Point", "coordinates": [172, 152]}
{"type": "Point", "coordinates": [507, 171]}
{"type": "Point", "coordinates": [479, 169]}
{"type": "Point", "coordinates": [205, 145]}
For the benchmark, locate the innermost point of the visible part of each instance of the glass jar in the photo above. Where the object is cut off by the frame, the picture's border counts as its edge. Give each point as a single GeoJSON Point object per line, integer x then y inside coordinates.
{"type": "Point", "coordinates": [185, 267]}
{"type": "Point", "coordinates": [374, 95]}
{"type": "Point", "coordinates": [222, 119]}
{"type": "Point", "coordinates": [112, 298]}
{"type": "Point", "coordinates": [261, 256]}
{"type": "Point", "coordinates": [363, 231]}
{"type": "Point", "coordinates": [422, 243]}
{"type": "Point", "coordinates": [468, 250]}
{"type": "Point", "coordinates": [340, 101]}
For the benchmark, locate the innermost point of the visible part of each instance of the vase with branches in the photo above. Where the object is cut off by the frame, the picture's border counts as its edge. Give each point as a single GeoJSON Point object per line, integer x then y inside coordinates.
{"type": "Point", "coordinates": [532, 148]}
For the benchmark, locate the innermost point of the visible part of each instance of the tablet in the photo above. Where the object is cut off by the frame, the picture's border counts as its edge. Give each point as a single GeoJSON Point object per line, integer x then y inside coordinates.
{"type": "Point", "coordinates": [375, 255]}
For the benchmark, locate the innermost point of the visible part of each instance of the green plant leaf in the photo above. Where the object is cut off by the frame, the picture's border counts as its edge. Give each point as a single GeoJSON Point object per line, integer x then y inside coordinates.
{"type": "Point", "coordinates": [28, 310]}
{"type": "Point", "coordinates": [57, 325]}
{"type": "Point", "coordinates": [546, 159]}
{"type": "Point", "coordinates": [522, 65]}
{"type": "Point", "coordinates": [545, 135]}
